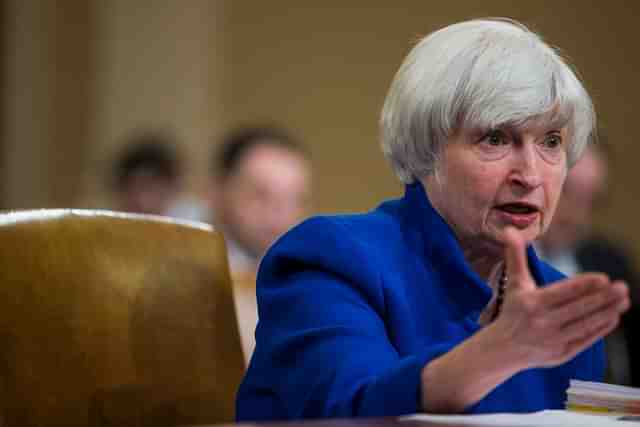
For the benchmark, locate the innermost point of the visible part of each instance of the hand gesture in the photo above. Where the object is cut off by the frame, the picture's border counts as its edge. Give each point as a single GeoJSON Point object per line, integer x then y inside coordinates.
{"type": "Point", "coordinates": [549, 326]}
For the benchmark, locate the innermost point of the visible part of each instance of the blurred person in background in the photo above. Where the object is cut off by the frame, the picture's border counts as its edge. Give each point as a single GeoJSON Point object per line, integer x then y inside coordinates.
{"type": "Point", "coordinates": [146, 174]}
{"type": "Point", "coordinates": [261, 188]}
{"type": "Point", "coordinates": [571, 246]}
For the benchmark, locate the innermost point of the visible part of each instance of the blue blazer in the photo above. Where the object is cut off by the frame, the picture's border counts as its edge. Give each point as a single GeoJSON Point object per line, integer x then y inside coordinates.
{"type": "Point", "coordinates": [352, 308]}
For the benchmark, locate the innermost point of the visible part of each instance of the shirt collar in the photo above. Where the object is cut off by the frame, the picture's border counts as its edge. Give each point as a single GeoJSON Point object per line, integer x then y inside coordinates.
{"type": "Point", "coordinates": [240, 260]}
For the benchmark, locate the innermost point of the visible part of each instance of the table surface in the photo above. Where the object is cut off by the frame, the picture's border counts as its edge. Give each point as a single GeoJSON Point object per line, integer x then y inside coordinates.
{"type": "Point", "coordinates": [551, 418]}
{"type": "Point", "coordinates": [354, 422]}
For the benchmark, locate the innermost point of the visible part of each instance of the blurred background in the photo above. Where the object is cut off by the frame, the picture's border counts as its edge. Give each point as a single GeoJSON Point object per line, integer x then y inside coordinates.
{"type": "Point", "coordinates": [79, 76]}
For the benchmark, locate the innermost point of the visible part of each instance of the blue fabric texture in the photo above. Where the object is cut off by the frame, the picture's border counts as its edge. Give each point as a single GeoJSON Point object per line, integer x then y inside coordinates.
{"type": "Point", "coordinates": [352, 307]}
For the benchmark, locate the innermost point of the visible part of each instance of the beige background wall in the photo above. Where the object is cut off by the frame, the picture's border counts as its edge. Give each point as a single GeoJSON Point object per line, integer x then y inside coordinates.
{"type": "Point", "coordinates": [79, 75]}
{"type": "Point", "coordinates": [158, 65]}
{"type": "Point", "coordinates": [47, 86]}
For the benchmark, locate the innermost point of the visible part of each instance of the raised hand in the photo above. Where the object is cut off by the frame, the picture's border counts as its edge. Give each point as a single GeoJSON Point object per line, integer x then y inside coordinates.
{"type": "Point", "coordinates": [548, 326]}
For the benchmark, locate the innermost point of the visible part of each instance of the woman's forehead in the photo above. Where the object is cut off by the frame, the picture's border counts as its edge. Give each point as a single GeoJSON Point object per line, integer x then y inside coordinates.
{"type": "Point", "coordinates": [551, 121]}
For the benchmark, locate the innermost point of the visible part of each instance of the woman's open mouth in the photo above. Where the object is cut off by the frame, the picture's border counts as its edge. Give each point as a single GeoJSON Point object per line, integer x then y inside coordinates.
{"type": "Point", "coordinates": [518, 214]}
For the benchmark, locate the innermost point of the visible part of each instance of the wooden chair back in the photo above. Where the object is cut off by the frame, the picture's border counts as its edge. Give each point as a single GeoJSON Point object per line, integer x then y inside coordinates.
{"type": "Point", "coordinates": [114, 319]}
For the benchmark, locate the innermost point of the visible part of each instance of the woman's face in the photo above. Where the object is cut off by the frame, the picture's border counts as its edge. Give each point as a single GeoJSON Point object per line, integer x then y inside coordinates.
{"type": "Point", "coordinates": [488, 180]}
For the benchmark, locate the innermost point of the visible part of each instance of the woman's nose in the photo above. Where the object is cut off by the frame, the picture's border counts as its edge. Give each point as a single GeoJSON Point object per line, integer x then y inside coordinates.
{"type": "Point", "coordinates": [526, 171]}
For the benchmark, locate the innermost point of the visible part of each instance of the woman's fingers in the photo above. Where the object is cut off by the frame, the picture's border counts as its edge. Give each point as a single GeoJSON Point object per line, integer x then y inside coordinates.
{"type": "Point", "coordinates": [566, 317]}
{"type": "Point", "coordinates": [517, 267]}
{"type": "Point", "coordinates": [584, 304]}
{"type": "Point", "coordinates": [586, 340]}
{"type": "Point", "coordinates": [590, 323]}
{"type": "Point", "coordinates": [556, 322]}
{"type": "Point", "coordinates": [573, 289]}
{"type": "Point", "coordinates": [585, 327]}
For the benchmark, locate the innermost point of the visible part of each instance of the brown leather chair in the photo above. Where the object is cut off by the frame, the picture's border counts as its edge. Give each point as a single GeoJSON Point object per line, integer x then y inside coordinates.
{"type": "Point", "coordinates": [114, 319]}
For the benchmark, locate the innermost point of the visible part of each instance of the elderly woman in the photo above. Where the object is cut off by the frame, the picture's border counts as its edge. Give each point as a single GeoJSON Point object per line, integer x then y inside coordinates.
{"type": "Point", "coordinates": [437, 302]}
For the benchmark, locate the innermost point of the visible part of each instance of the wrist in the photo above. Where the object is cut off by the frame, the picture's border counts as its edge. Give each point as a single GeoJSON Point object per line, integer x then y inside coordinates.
{"type": "Point", "coordinates": [466, 374]}
{"type": "Point", "coordinates": [501, 349]}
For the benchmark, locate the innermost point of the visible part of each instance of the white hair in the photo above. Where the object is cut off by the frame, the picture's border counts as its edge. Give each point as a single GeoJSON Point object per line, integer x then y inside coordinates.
{"type": "Point", "coordinates": [483, 74]}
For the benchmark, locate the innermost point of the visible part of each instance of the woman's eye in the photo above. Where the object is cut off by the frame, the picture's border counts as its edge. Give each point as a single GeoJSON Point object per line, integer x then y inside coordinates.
{"type": "Point", "coordinates": [552, 141]}
{"type": "Point", "coordinates": [495, 138]}
{"type": "Point", "coordinates": [493, 145]}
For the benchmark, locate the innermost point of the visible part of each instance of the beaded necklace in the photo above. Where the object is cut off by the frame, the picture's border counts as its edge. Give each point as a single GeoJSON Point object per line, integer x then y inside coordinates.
{"type": "Point", "coordinates": [502, 284]}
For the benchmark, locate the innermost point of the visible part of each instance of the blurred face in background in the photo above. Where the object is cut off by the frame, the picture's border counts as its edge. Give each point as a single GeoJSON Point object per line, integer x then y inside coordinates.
{"type": "Point", "coordinates": [267, 194]}
{"type": "Point", "coordinates": [147, 194]}
{"type": "Point", "coordinates": [583, 189]}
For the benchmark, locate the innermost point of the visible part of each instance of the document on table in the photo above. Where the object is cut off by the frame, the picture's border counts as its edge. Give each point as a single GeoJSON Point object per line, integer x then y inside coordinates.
{"type": "Point", "coordinates": [601, 396]}
{"type": "Point", "coordinates": [550, 418]}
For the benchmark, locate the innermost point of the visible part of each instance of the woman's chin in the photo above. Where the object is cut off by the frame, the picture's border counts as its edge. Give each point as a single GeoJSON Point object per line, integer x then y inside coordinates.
{"type": "Point", "coordinates": [529, 234]}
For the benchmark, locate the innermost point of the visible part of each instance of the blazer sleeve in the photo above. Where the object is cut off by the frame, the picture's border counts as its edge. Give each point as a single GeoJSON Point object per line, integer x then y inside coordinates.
{"type": "Point", "coordinates": [322, 344]}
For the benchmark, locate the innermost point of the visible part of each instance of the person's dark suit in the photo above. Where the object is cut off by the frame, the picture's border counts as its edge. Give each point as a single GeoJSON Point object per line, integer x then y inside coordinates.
{"type": "Point", "coordinates": [599, 254]}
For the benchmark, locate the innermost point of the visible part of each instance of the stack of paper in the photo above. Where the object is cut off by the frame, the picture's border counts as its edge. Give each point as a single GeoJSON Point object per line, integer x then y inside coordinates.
{"type": "Point", "coordinates": [550, 418]}
{"type": "Point", "coordinates": [592, 396]}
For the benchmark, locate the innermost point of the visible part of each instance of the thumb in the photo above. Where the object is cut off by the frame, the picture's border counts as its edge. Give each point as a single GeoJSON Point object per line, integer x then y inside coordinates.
{"type": "Point", "coordinates": [515, 258]}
